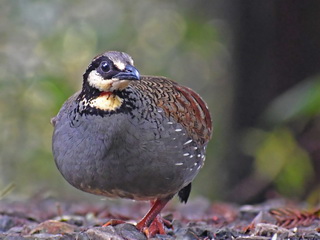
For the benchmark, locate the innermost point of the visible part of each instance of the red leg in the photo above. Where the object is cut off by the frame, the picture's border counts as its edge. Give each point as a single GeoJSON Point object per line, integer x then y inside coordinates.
{"type": "Point", "coordinates": [152, 218]}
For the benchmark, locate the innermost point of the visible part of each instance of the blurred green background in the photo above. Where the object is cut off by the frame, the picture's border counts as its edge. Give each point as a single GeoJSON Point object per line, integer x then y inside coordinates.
{"type": "Point", "coordinates": [256, 63]}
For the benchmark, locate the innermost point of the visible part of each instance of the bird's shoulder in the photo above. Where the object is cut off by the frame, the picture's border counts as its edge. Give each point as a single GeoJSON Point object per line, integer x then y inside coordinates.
{"type": "Point", "coordinates": [67, 106]}
{"type": "Point", "coordinates": [180, 103]}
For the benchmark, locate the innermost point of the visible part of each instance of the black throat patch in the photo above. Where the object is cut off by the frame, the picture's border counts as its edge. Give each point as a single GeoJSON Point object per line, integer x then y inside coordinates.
{"type": "Point", "coordinates": [105, 103]}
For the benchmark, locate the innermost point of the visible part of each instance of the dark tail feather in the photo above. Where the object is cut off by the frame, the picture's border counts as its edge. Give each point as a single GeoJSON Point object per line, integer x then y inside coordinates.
{"type": "Point", "coordinates": [184, 193]}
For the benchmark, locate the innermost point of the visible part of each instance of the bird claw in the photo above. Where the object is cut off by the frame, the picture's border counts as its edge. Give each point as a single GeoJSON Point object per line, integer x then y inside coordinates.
{"type": "Point", "coordinates": [157, 226]}
{"type": "Point", "coordinates": [113, 222]}
{"type": "Point", "coordinates": [166, 223]}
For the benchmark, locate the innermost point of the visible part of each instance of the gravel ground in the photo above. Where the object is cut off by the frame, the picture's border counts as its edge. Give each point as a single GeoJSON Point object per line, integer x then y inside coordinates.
{"type": "Point", "coordinates": [199, 219]}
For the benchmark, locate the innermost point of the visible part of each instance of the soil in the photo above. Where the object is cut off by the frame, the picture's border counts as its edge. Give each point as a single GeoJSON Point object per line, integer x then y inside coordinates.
{"type": "Point", "coordinates": [198, 219]}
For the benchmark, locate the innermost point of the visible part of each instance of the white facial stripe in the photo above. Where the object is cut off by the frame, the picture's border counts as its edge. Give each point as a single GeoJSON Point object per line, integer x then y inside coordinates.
{"type": "Point", "coordinates": [119, 84]}
{"type": "Point", "coordinates": [95, 80]}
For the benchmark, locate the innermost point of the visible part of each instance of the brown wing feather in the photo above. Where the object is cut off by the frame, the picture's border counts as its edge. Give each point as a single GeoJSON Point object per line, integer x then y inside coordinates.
{"type": "Point", "coordinates": [180, 103]}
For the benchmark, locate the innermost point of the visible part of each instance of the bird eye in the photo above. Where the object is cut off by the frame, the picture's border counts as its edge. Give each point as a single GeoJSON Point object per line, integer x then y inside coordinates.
{"type": "Point", "coordinates": [105, 66]}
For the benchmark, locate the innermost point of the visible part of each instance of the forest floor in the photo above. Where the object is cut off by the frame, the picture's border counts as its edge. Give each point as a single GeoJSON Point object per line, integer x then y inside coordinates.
{"type": "Point", "coordinates": [198, 219]}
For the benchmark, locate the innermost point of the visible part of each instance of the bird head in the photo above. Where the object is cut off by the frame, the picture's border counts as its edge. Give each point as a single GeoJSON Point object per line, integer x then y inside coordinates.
{"type": "Point", "coordinates": [107, 75]}
{"type": "Point", "coordinates": [110, 71]}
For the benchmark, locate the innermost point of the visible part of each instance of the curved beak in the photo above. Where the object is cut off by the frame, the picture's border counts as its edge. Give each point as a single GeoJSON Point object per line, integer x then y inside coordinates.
{"type": "Point", "coordinates": [129, 73]}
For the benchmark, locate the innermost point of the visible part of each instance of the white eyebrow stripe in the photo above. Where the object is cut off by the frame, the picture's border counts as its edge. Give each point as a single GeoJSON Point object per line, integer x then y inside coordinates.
{"type": "Point", "coordinates": [120, 65]}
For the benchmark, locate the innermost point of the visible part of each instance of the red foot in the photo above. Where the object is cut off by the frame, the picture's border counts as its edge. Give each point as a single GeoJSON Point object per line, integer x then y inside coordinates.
{"type": "Point", "coordinates": [156, 227]}
{"type": "Point", "coordinates": [152, 223]}
{"type": "Point", "coordinates": [113, 222]}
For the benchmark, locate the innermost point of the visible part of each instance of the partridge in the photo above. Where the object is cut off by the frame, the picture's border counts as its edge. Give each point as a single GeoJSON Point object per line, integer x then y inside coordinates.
{"type": "Point", "coordinates": [131, 136]}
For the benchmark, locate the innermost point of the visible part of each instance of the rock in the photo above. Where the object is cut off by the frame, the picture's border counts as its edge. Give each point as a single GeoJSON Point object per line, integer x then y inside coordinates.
{"type": "Point", "coordinates": [53, 227]}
